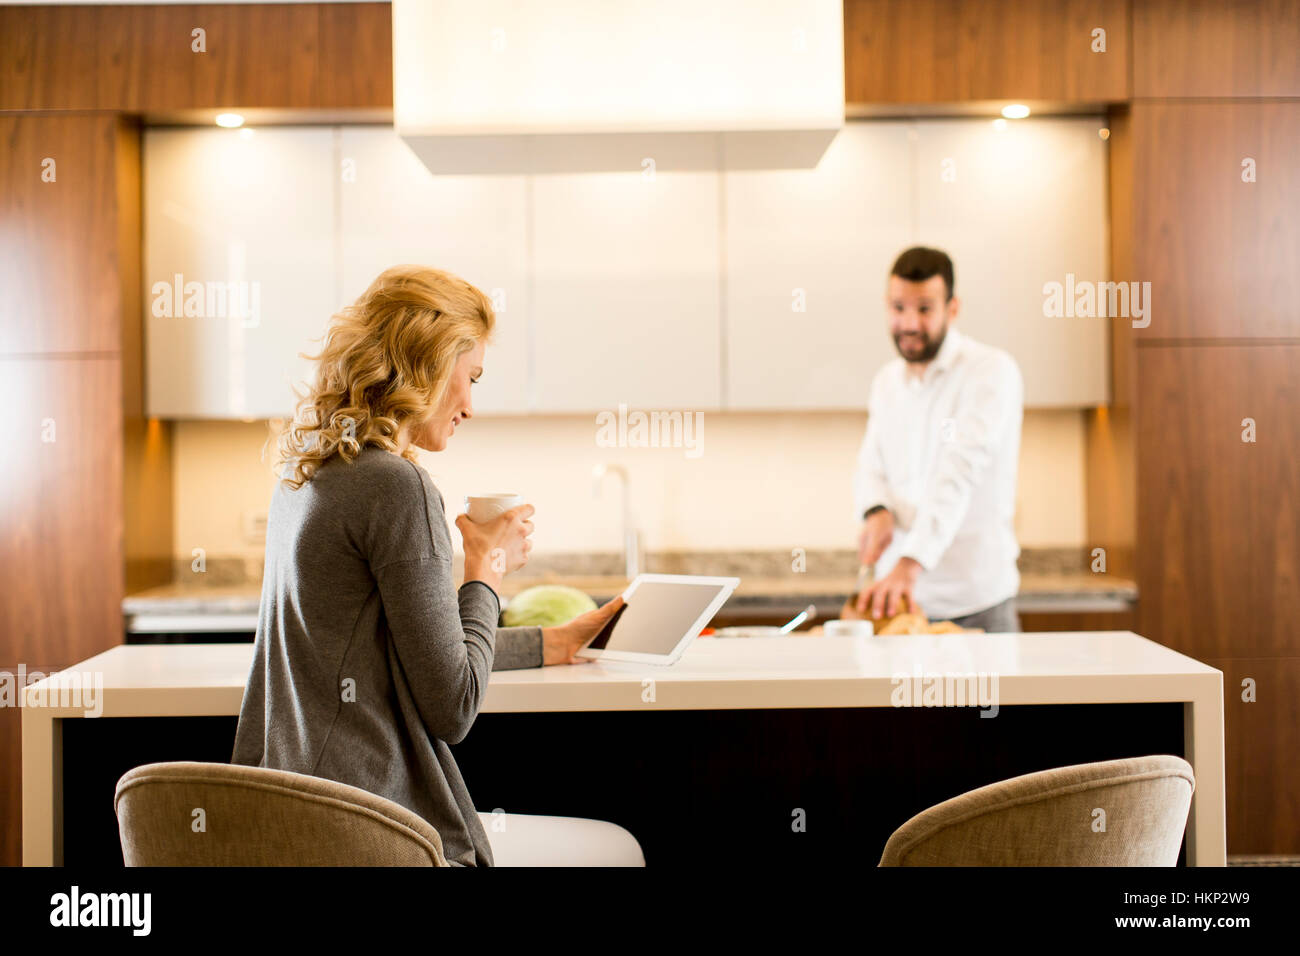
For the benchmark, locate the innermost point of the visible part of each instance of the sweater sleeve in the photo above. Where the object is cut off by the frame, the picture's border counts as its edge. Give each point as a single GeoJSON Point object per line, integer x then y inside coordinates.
{"type": "Point", "coordinates": [516, 647]}
{"type": "Point", "coordinates": [444, 637]}
{"type": "Point", "coordinates": [444, 641]}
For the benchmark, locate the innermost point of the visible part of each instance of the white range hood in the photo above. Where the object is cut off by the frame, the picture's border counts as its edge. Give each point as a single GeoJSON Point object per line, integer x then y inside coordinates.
{"type": "Point", "coordinates": [577, 85]}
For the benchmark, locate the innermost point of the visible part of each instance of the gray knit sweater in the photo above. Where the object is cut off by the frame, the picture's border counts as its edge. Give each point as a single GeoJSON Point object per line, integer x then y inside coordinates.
{"type": "Point", "coordinates": [368, 660]}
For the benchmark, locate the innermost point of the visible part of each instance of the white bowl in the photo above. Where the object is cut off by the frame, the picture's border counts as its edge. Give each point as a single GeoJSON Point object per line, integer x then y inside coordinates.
{"type": "Point", "coordinates": [842, 628]}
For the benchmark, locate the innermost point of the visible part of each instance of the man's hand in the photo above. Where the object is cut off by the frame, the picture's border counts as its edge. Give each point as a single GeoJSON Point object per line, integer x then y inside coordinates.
{"type": "Point", "coordinates": [560, 643]}
{"type": "Point", "coordinates": [886, 595]}
{"type": "Point", "coordinates": [874, 537]}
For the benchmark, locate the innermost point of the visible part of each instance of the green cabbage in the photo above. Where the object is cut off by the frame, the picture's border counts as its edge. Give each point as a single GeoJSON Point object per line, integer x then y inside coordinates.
{"type": "Point", "coordinates": [546, 605]}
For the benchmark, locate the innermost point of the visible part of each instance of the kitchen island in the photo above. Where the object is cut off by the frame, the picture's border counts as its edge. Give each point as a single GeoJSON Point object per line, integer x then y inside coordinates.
{"type": "Point", "coordinates": [796, 749]}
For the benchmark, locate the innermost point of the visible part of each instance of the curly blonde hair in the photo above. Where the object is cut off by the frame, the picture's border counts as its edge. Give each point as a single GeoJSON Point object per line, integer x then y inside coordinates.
{"type": "Point", "coordinates": [386, 364]}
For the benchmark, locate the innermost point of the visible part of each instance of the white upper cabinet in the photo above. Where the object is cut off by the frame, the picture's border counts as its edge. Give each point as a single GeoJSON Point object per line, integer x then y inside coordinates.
{"type": "Point", "coordinates": [239, 269]}
{"type": "Point", "coordinates": [1016, 208]}
{"type": "Point", "coordinates": [807, 254]}
{"type": "Point", "coordinates": [699, 288]}
{"type": "Point", "coordinates": [394, 211]}
{"type": "Point", "coordinates": [625, 291]}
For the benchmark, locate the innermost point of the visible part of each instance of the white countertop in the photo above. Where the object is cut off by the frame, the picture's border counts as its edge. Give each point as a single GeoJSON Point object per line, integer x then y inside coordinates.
{"type": "Point", "coordinates": [715, 673]}
{"type": "Point", "coordinates": [144, 680]}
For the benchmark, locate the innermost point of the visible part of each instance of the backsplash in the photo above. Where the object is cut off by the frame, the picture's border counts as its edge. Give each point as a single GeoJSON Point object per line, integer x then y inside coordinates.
{"type": "Point", "coordinates": [766, 484]}
{"type": "Point", "coordinates": [817, 563]}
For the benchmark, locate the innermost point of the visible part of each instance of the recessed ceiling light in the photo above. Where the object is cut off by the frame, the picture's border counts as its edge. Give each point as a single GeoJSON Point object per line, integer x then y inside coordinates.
{"type": "Point", "coordinates": [1015, 111]}
{"type": "Point", "coordinates": [1104, 133]}
{"type": "Point", "coordinates": [230, 120]}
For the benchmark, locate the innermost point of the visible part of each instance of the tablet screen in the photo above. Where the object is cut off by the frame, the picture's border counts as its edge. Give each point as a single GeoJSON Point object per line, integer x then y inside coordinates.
{"type": "Point", "coordinates": [658, 614]}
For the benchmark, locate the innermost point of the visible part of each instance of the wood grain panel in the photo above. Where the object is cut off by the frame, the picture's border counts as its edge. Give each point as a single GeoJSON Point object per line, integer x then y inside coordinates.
{"type": "Point", "coordinates": [1219, 518]}
{"type": "Point", "coordinates": [60, 291]}
{"type": "Point", "coordinates": [147, 477]}
{"type": "Point", "coordinates": [1110, 481]}
{"type": "Point", "coordinates": [356, 56]}
{"type": "Point", "coordinates": [60, 528]}
{"type": "Point", "coordinates": [1221, 254]}
{"type": "Point", "coordinates": [62, 520]}
{"type": "Point", "coordinates": [1121, 199]}
{"type": "Point", "coordinates": [1261, 739]}
{"type": "Point", "coordinates": [140, 58]}
{"type": "Point", "coordinates": [931, 51]}
{"type": "Point", "coordinates": [1078, 621]}
{"type": "Point", "coordinates": [1216, 48]}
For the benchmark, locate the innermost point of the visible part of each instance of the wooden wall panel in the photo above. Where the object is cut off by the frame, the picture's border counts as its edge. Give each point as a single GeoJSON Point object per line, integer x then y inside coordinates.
{"type": "Point", "coordinates": [61, 532]}
{"type": "Point", "coordinates": [72, 297]}
{"type": "Point", "coordinates": [1209, 48]}
{"type": "Point", "coordinates": [60, 293]}
{"type": "Point", "coordinates": [1058, 621]}
{"type": "Point", "coordinates": [1110, 483]}
{"type": "Point", "coordinates": [935, 51]}
{"type": "Point", "coordinates": [147, 487]}
{"type": "Point", "coordinates": [1219, 518]}
{"type": "Point", "coordinates": [139, 58]}
{"type": "Point", "coordinates": [1121, 200]}
{"type": "Point", "coordinates": [1261, 739]}
{"type": "Point", "coordinates": [1221, 254]}
{"type": "Point", "coordinates": [356, 55]}
{"type": "Point", "coordinates": [61, 558]}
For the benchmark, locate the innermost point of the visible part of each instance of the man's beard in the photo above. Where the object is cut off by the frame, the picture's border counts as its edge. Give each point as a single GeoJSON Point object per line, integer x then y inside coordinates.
{"type": "Point", "coordinates": [930, 350]}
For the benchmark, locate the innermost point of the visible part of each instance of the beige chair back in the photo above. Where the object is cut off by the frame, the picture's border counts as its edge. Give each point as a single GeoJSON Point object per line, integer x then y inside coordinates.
{"type": "Point", "coordinates": [1115, 813]}
{"type": "Point", "coordinates": [252, 816]}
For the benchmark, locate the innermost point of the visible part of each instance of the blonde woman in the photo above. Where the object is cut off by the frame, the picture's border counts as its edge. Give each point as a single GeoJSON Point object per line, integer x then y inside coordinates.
{"type": "Point", "coordinates": [369, 660]}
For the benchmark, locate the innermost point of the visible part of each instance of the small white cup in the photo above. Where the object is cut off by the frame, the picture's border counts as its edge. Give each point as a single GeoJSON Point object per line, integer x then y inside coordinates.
{"type": "Point", "coordinates": [842, 628]}
{"type": "Point", "coordinates": [484, 508]}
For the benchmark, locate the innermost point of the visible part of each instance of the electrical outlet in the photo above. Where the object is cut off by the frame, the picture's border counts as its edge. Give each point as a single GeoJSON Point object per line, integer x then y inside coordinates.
{"type": "Point", "coordinates": [255, 526]}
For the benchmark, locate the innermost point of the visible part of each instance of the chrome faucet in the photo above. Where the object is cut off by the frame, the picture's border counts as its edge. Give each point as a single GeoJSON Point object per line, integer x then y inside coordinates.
{"type": "Point", "coordinates": [632, 556]}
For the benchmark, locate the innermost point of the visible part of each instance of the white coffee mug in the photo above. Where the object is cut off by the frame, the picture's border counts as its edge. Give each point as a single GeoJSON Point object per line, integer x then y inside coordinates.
{"type": "Point", "coordinates": [842, 628]}
{"type": "Point", "coordinates": [484, 508]}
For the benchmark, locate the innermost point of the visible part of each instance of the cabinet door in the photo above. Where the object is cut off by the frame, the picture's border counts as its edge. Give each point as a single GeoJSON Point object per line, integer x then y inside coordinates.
{"type": "Point", "coordinates": [394, 211]}
{"type": "Point", "coordinates": [808, 253]}
{"type": "Point", "coordinates": [625, 290]}
{"type": "Point", "coordinates": [1017, 208]}
{"type": "Point", "coordinates": [244, 225]}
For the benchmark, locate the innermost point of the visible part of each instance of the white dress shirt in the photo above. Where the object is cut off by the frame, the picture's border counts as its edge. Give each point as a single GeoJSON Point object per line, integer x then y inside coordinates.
{"type": "Point", "coordinates": [941, 452]}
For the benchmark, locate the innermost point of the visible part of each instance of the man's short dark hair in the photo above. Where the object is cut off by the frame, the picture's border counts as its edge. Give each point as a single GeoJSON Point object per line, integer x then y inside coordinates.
{"type": "Point", "coordinates": [920, 263]}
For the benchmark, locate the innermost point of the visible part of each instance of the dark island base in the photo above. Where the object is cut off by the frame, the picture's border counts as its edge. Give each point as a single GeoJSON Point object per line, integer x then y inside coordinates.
{"type": "Point", "coordinates": [718, 787]}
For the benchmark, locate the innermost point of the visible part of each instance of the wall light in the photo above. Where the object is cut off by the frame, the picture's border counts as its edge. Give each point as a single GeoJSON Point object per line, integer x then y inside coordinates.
{"type": "Point", "coordinates": [1015, 111]}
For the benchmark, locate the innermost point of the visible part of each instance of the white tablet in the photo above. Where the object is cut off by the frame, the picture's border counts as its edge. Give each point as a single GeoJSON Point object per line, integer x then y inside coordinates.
{"type": "Point", "coordinates": [663, 614]}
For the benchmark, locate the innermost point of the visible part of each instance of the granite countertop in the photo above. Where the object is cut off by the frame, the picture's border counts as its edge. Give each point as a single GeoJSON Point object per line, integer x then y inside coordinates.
{"type": "Point", "coordinates": [1056, 590]}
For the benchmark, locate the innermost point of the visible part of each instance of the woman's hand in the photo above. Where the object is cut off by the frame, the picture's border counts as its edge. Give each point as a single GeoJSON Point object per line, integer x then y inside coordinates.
{"type": "Point", "coordinates": [495, 548]}
{"type": "Point", "coordinates": [560, 643]}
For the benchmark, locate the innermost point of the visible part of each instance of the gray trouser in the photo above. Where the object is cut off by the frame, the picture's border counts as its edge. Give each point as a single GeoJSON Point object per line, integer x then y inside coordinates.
{"type": "Point", "coordinates": [998, 619]}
